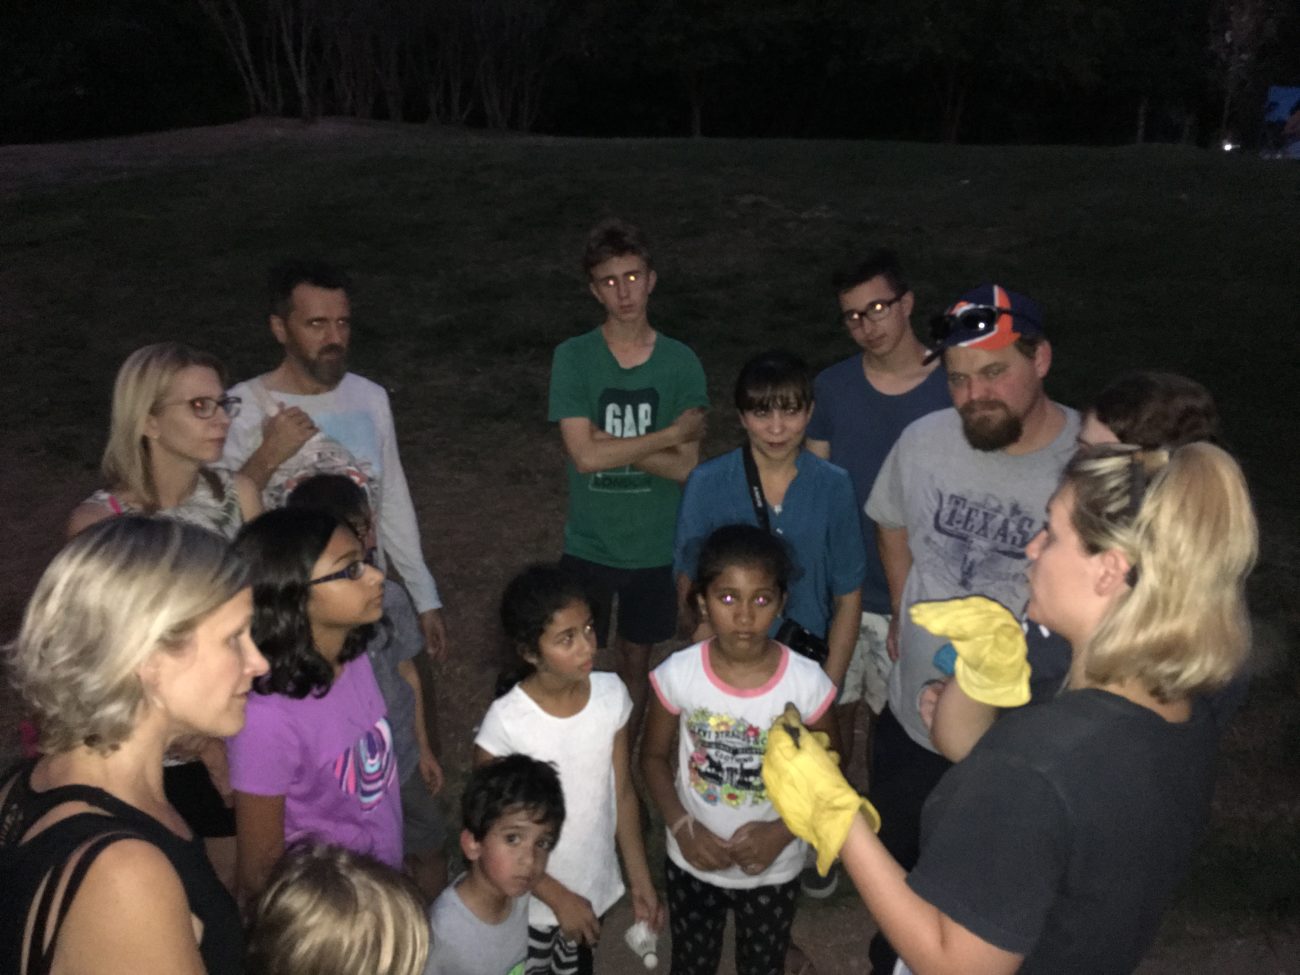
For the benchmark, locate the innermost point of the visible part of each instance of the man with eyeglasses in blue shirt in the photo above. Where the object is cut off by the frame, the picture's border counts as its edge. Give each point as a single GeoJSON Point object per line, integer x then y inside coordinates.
{"type": "Point", "coordinates": [863, 403]}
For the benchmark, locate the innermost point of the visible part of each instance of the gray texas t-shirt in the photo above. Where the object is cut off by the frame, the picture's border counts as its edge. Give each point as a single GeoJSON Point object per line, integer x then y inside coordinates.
{"type": "Point", "coordinates": [969, 515]}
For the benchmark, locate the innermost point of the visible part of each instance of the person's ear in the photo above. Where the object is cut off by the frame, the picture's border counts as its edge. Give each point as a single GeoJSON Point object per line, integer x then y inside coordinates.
{"type": "Point", "coordinates": [150, 427]}
{"type": "Point", "coordinates": [149, 673]}
{"type": "Point", "coordinates": [469, 846]}
{"type": "Point", "coordinates": [908, 301]}
{"type": "Point", "coordinates": [701, 606]}
{"type": "Point", "coordinates": [1043, 359]}
{"type": "Point", "coordinates": [1113, 572]}
{"type": "Point", "coordinates": [650, 279]}
{"type": "Point", "coordinates": [280, 329]}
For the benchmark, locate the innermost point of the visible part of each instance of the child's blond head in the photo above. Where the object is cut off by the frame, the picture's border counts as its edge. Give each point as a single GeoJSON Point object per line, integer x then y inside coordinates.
{"type": "Point", "coordinates": [328, 910]}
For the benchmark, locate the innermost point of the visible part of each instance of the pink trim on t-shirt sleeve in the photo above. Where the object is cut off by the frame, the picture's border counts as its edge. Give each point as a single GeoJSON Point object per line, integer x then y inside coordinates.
{"type": "Point", "coordinates": [654, 683]}
{"type": "Point", "coordinates": [726, 688]}
{"type": "Point", "coordinates": [823, 707]}
{"type": "Point", "coordinates": [115, 506]}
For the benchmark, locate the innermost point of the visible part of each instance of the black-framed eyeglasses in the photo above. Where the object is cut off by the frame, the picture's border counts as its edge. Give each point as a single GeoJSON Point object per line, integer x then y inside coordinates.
{"type": "Point", "coordinates": [353, 571]}
{"type": "Point", "coordinates": [204, 407]}
{"type": "Point", "coordinates": [875, 311]}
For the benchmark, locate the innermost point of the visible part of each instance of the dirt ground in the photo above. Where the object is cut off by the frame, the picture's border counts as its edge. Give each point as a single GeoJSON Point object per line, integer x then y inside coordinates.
{"type": "Point", "coordinates": [483, 514]}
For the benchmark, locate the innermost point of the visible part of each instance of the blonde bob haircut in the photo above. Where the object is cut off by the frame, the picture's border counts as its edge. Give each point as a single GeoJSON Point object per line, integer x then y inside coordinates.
{"type": "Point", "coordinates": [327, 909]}
{"type": "Point", "coordinates": [141, 386]}
{"type": "Point", "coordinates": [118, 592]}
{"type": "Point", "coordinates": [1184, 521]}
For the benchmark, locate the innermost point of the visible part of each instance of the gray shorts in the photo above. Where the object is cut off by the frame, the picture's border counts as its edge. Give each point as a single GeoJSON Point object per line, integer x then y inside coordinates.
{"type": "Point", "coordinates": [423, 825]}
{"type": "Point", "coordinates": [867, 678]}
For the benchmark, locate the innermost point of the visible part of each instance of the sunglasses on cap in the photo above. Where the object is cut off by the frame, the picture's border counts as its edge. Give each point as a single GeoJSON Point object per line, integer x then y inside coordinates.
{"type": "Point", "coordinates": [973, 322]}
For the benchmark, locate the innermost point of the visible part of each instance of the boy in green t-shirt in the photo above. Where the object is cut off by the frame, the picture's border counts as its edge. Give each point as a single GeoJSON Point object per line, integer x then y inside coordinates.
{"type": "Point", "coordinates": [630, 403]}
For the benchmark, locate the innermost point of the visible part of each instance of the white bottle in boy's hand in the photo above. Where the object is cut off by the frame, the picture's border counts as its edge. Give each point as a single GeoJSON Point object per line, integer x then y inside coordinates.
{"type": "Point", "coordinates": [641, 938]}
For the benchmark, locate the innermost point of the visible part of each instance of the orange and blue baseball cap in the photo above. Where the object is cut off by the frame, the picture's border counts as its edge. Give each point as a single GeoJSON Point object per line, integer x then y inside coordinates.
{"type": "Point", "coordinates": [988, 317]}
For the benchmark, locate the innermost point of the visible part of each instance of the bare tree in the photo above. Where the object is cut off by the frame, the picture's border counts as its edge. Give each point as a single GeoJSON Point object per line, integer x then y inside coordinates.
{"type": "Point", "coordinates": [394, 26]}
{"type": "Point", "coordinates": [295, 25]}
{"type": "Point", "coordinates": [347, 57]}
{"type": "Point", "coordinates": [1239, 29]}
{"type": "Point", "coordinates": [259, 75]}
{"type": "Point", "coordinates": [449, 57]}
{"type": "Point", "coordinates": [517, 43]}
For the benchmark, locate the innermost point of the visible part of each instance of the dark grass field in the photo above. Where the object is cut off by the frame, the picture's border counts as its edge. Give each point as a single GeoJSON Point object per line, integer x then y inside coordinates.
{"type": "Point", "coordinates": [464, 250]}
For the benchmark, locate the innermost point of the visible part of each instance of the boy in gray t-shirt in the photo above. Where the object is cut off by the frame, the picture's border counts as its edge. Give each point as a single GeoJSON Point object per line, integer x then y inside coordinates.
{"type": "Point", "coordinates": [512, 811]}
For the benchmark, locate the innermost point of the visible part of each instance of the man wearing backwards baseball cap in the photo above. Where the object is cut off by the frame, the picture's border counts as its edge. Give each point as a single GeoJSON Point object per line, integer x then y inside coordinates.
{"type": "Point", "coordinates": [956, 502]}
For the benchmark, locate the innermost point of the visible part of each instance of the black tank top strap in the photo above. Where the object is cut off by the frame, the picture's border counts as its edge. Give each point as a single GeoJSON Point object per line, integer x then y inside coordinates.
{"type": "Point", "coordinates": [58, 893]}
{"type": "Point", "coordinates": [33, 868]}
{"type": "Point", "coordinates": [24, 806]}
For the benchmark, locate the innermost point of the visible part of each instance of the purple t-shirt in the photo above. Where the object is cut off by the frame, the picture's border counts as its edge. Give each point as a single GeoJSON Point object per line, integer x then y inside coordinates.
{"type": "Point", "coordinates": [331, 758]}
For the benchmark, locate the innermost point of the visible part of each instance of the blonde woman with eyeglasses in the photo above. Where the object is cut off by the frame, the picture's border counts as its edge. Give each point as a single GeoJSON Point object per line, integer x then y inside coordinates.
{"type": "Point", "coordinates": [169, 422]}
{"type": "Point", "coordinates": [1056, 845]}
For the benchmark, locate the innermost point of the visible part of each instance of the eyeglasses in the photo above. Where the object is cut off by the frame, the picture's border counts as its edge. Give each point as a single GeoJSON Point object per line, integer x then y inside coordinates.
{"type": "Point", "coordinates": [204, 407]}
{"type": "Point", "coordinates": [875, 311]}
{"type": "Point", "coordinates": [353, 571]}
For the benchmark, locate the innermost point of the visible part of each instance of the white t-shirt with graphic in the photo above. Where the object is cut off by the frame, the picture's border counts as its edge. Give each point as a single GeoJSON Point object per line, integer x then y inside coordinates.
{"type": "Point", "coordinates": [969, 515]}
{"type": "Point", "coordinates": [356, 439]}
{"type": "Point", "coordinates": [582, 749]}
{"type": "Point", "coordinates": [721, 736]}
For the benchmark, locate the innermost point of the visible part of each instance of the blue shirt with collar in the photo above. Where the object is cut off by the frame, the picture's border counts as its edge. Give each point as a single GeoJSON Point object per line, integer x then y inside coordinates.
{"type": "Point", "coordinates": [818, 520]}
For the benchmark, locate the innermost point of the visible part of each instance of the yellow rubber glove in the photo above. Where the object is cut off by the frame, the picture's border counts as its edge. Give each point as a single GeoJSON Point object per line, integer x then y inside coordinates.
{"type": "Point", "coordinates": [803, 780]}
{"type": "Point", "coordinates": [991, 652]}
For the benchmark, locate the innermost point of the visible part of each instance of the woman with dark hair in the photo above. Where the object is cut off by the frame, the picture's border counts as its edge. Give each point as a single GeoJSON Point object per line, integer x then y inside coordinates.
{"type": "Point", "coordinates": [137, 635]}
{"type": "Point", "coordinates": [1151, 409]}
{"type": "Point", "coordinates": [315, 760]}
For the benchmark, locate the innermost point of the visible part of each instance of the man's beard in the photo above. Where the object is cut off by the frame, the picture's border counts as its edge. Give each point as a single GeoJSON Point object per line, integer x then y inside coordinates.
{"type": "Point", "coordinates": [990, 429]}
{"type": "Point", "coordinates": [328, 370]}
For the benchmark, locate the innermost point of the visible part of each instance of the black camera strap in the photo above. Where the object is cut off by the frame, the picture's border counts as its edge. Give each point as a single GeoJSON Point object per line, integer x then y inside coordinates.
{"type": "Point", "coordinates": [800, 640]}
{"type": "Point", "coordinates": [755, 488]}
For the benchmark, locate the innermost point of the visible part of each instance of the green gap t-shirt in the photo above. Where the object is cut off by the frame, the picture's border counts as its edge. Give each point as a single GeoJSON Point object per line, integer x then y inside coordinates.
{"type": "Point", "coordinates": [623, 517]}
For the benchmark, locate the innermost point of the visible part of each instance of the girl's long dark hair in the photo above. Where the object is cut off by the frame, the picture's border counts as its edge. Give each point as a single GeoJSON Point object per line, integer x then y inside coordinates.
{"type": "Point", "coordinates": [281, 548]}
{"type": "Point", "coordinates": [531, 598]}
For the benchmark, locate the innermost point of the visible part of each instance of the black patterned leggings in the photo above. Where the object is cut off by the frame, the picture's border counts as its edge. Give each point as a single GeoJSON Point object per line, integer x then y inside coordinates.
{"type": "Point", "coordinates": [697, 917]}
{"type": "Point", "coordinates": [551, 953]}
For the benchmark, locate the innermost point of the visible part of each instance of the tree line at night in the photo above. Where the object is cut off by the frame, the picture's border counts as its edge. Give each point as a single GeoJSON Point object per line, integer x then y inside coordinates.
{"type": "Point", "coordinates": [1082, 71]}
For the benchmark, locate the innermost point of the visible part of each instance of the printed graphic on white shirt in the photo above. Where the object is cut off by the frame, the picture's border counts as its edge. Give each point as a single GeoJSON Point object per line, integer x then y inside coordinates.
{"type": "Point", "coordinates": [726, 760]}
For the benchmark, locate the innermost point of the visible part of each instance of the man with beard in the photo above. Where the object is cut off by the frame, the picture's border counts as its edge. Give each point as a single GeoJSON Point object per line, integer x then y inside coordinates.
{"type": "Point", "coordinates": [309, 416]}
{"type": "Point", "coordinates": [958, 498]}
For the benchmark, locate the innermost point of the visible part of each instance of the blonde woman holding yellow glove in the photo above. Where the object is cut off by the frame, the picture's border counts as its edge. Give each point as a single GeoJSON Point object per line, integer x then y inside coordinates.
{"type": "Point", "coordinates": [1057, 844]}
{"type": "Point", "coordinates": [1143, 409]}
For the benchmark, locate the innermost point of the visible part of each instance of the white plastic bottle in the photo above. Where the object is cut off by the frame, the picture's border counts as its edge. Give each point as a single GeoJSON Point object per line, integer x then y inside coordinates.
{"type": "Point", "coordinates": [641, 939]}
